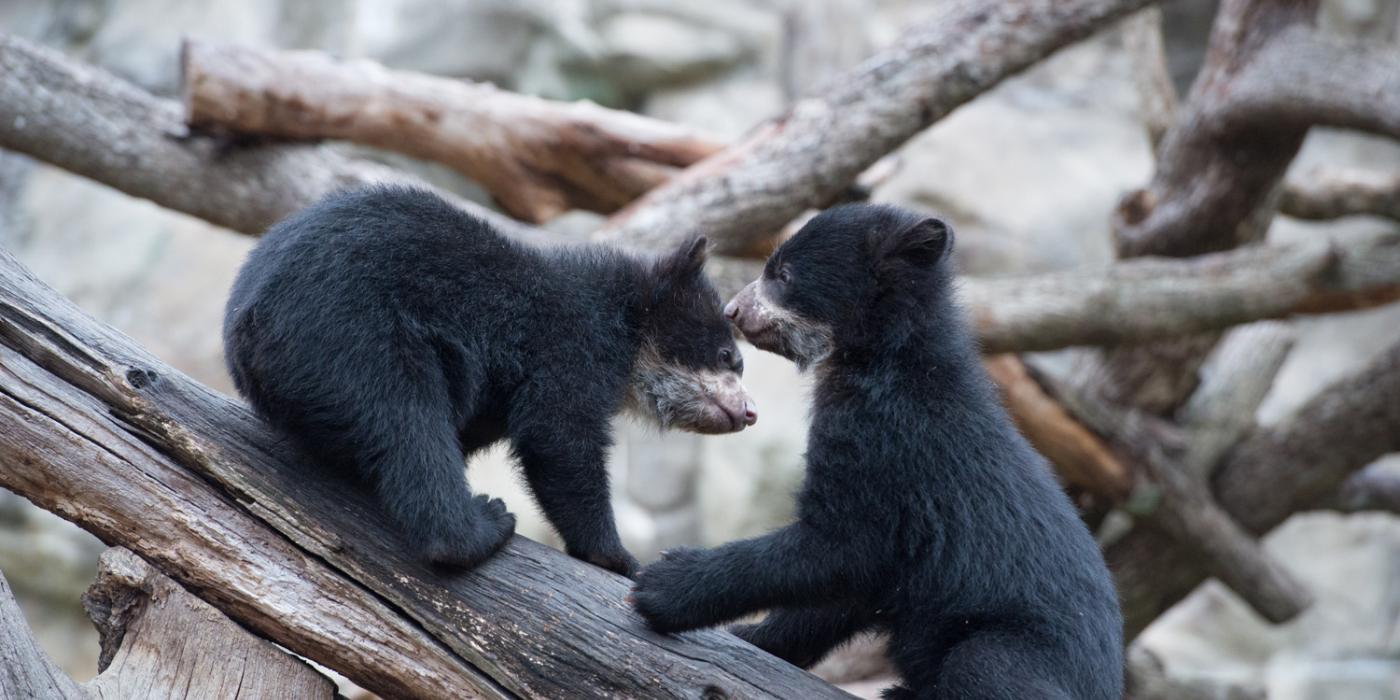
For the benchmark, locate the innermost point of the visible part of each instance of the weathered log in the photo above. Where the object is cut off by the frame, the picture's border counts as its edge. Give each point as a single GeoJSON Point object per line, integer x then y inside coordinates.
{"type": "Point", "coordinates": [94, 124]}
{"type": "Point", "coordinates": [96, 430]}
{"type": "Point", "coordinates": [538, 158]}
{"type": "Point", "coordinates": [807, 156]}
{"type": "Point", "coordinates": [158, 640]}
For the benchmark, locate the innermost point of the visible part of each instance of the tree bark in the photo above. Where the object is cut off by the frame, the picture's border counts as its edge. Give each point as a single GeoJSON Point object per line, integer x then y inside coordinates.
{"type": "Point", "coordinates": [96, 430]}
{"type": "Point", "coordinates": [806, 157]}
{"type": "Point", "coordinates": [536, 157]}
{"type": "Point", "coordinates": [158, 640]}
{"type": "Point", "coordinates": [94, 124]}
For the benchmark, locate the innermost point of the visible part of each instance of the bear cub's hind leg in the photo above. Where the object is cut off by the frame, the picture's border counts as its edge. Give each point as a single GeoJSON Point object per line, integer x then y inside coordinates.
{"type": "Point", "coordinates": [420, 477]}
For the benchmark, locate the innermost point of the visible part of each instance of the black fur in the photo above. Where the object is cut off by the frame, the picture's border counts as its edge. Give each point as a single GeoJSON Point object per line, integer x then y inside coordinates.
{"type": "Point", "coordinates": [924, 512]}
{"type": "Point", "coordinates": [391, 334]}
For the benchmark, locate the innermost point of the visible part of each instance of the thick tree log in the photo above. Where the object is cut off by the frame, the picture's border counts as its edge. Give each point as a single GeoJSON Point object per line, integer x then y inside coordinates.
{"type": "Point", "coordinates": [158, 640]}
{"type": "Point", "coordinates": [98, 431]}
{"type": "Point", "coordinates": [536, 157]}
{"type": "Point", "coordinates": [1293, 466]}
{"type": "Point", "coordinates": [806, 157]}
{"type": "Point", "coordinates": [1214, 173]}
{"type": "Point", "coordinates": [94, 124]}
{"type": "Point", "coordinates": [1331, 193]}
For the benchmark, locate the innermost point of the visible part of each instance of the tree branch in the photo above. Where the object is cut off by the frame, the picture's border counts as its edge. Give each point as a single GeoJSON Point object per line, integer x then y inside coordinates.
{"type": "Point", "coordinates": [1333, 193]}
{"type": "Point", "coordinates": [1139, 300]}
{"type": "Point", "coordinates": [536, 157]}
{"type": "Point", "coordinates": [94, 124]}
{"type": "Point", "coordinates": [806, 157]}
{"type": "Point", "coordinates": [1295, 465]}
{"type": "Point", "coordinates": [96, 430]}
{"type": "Point", "coordinates": [1173, 498]}
{"type": "Point", "coordinates": [1234, 381]}
{"type": "Point", "coordinates": [1307, 79]}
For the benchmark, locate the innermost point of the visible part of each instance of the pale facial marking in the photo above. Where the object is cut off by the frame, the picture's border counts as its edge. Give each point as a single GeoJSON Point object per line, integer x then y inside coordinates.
{"type": "Point", "coordinates": [700, 401]}
{"type": "Point", "coordinates": [800, 339]}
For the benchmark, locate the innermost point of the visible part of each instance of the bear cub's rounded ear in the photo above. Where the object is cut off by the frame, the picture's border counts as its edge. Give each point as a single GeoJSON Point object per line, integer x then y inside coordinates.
{"type": "Point", "coordinates": [690, 257]}
{"type": "Point", "coordinates": [923, 243]}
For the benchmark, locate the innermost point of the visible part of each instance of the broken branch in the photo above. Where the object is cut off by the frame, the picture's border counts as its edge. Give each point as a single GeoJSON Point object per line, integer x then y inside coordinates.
{"type": "Point", "coordinates": [538, 158]}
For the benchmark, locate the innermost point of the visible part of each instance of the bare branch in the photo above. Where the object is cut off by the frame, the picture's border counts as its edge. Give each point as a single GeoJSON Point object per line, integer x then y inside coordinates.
{"type": "Point", "coordinates": [1139, 300]}
{"type": "Point", "coordinates": [1295, 465]}
{"type": "Point", "coordinates": [1234, 381]}
{"type": "Point", "coordinates": [1182, 508]}
{"type": "Point", "coordinates": [806, 157]}
{"type": "Point", "coordinates": [98, 431]}
{"type": "Point", "coordinates": [1332, 193]}
{"type": "Point", "coordinates": [94, 124]}
{"type": "Point", "coordinates": [1213, 176]}
{"type": "Point", "coordinates": [1308, 79]}
{"type": "Point", "coordinates": [536, 157]}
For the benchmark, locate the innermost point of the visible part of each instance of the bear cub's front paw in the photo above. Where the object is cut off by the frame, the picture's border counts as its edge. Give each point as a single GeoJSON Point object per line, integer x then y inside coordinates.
{"type": "Point", "coordinates": [616, 560]}
{"type": "Point", "coordinates": [485, 527]}
{"type": "Point", "coordinates": [663, 589]}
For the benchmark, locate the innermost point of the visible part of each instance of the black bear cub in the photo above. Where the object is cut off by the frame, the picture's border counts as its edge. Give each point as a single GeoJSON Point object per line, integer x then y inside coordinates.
{"type": "Point", "coordinates": [924, 512]}
{"type": "Point", "coordinates": [391, 334]}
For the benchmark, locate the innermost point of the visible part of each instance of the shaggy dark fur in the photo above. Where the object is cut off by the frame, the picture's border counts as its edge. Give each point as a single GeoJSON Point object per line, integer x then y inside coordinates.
{"type": "Point", "coordinates": [924, 511]}
{"type": "Point", "coordinates": [391, 334]}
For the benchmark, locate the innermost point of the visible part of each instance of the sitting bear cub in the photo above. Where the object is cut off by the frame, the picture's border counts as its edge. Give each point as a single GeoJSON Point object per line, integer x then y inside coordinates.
{"type": "Point", "coordinates": [391, 334]}
{"type": "Point", "coordinates": [924, 512]}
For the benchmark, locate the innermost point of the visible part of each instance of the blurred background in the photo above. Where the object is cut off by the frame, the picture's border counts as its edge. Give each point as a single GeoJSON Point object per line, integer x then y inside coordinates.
{"type": "Point", "coordinates": [1033, 168]}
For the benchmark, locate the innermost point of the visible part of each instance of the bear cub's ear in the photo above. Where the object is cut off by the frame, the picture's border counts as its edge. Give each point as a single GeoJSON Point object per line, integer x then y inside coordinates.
{"type": "Point", "coordinates": [924, 243]}
{"type": "Point", "coordinates": [688, 259]}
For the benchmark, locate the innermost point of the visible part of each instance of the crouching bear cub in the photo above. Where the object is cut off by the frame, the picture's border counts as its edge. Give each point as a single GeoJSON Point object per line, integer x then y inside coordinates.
{"type": "Point", "coordinates": [389, 333]}
{"type": "Point", "coordinates": [924, 513]}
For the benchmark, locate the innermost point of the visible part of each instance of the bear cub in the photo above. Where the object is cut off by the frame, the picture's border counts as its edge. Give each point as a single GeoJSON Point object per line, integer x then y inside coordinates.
{"type": "Point", "coordinates": [924, 513]}
{"type": "Point", "coordinates": [392, 335]}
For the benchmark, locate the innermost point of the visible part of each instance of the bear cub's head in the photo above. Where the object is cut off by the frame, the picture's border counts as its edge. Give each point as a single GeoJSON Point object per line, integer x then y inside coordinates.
{"type": "Point", "coordinates": [851, 274]}
{"type": "Point", "coordinates": [687, 374]}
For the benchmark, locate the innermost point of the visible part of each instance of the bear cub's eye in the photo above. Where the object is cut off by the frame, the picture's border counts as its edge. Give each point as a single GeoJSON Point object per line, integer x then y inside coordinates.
{"type": "Point", "coordinates": [729, 358]}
